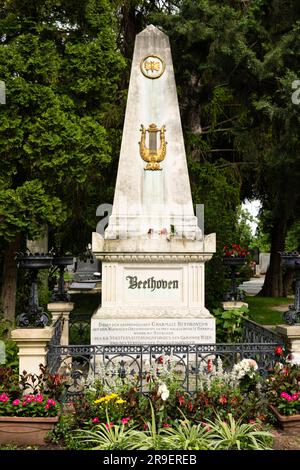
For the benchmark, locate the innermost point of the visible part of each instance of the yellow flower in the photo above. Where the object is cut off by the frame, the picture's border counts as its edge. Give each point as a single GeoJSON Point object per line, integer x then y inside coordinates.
{"type": "Point", "coordinates": [120, 401]}
{"type": "Point", "coordinates": [102, 399]}
{"type": "Point", "coordinates": [113, 395]}
{"type": "Point", "coordinates": [108, 398]}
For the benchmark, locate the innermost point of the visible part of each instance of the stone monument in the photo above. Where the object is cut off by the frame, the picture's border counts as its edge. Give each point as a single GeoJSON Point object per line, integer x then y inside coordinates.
{"type": "Point", "coordinates": [153, 251]}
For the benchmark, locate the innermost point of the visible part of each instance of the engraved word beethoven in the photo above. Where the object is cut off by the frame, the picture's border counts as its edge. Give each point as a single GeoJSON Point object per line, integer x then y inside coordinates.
{"type": "Point", "coordinates": [150, 283]}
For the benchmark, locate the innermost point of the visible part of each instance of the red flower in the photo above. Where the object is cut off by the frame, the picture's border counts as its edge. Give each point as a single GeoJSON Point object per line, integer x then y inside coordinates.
{"type": "Point", "coordinates": [235, 250]}
{"type": "Point", "coordinates": [181, 400]}
{"type": "Point", "coordinates": [209, 365]}
{"type": "Point", "coordinates": [190, 406]}
{"type": "Point", "coordinates": [278, 351]}
{"type": "Point", "coordinates": [160, 360]}
{"type": "Point", "coordinates": [223, 399]}
{"type": "Point", "coordinates": [285, 371]}
{"type": "Point", "coordinates": [57, 379]}
{"type": "Point", "coordinates": [166, 425]}
{"type": "Point", "coordinates": [95, 420]}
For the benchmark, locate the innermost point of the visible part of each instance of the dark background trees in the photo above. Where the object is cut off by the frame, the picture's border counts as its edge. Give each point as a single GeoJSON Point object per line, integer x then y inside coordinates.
{"type": "Point", "coordinates": [66, 67]}
{"type": "Point", "coordinates": [58, 130]}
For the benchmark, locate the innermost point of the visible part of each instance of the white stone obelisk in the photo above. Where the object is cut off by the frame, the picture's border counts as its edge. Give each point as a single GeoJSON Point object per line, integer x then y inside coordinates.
{"type": "Point", "coordinates": [153, 251]}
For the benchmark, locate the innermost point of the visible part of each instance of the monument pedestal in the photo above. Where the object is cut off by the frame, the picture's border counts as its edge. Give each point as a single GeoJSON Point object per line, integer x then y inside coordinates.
{"type": "Point", "coordinates": [154, 296]}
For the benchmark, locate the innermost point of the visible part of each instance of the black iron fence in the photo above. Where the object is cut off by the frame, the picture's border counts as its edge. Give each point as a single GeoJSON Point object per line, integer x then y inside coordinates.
{"type": "Point", "coordinates": [53, 358]}
{"type": "Point", "coordinates": [81, 364]}
{"type": "Point", "coordinates": [255, 333]}
{"type": "Point", "coordinates": [79, 329]}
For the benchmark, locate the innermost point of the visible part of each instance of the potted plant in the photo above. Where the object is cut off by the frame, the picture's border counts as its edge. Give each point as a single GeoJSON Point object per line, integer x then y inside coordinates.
{"type": "Point", "coordinates": [283, 391]}
{"type": "Point", "coordinates": [27, 420]}
{"type": "Point", "coordinates": [233, 256]}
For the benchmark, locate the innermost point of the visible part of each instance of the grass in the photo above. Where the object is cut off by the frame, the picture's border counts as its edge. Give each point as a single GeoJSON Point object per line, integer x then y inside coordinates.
{"type": "Point", "coordinates": [261, 311]}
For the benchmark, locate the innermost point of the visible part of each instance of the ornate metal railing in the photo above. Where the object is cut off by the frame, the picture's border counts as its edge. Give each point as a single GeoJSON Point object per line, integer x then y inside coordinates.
{"type": "Point", "coordinates": [79, 330]}
{"type": "Point", "coordinates": [255, 333]}
{"type": "Point", "coordinates": [82, 364]}
{"type": "Point", "coordinates": [55, 343]}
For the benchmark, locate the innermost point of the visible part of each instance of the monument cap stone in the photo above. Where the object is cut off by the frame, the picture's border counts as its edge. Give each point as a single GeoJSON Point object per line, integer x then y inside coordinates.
{"type": "Point", "coordinates": [160, 198]}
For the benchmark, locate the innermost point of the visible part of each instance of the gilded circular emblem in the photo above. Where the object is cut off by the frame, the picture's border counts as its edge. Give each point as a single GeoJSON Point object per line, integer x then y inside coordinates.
{"type": "Point", "coordinates": [152, 66]}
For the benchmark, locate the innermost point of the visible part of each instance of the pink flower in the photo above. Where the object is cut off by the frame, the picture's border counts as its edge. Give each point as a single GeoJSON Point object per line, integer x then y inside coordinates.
{"type": "Point", "coordinates": [166, 425]}
{"type": "Point", "coordinates": [295, 396]}
{"type": "Point", "coordinates": [39, 398]}
{"type": "Point", "coordinates": [4, 398]}
{"type": "Point", "coordinates": [286, 396]}
{"type": "Point", "coordinates": [29, 398]}
{"type": "Point", "coordinates": [16, 402]}
{"type": "Point", "coordinates": [252, 421]}
{"type": "Point", "coordinates": [51, 402]}
{"type": "Point", "coordinates": [108, 426]}
{"type": "Point", "coordinates": [125, 420]}
{"type": "Point", "coordinates": [47, 407]}
{"type": "Point", "coordinates": [146, 427]}
{"type": "Point", "coordinates": [95, 420]}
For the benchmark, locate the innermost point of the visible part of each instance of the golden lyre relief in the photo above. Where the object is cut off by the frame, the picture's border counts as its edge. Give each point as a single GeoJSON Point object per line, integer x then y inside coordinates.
{"type": "Point", "coordinates": [153, 155]}
{"type": "Point", "coordinates": [152, 66]}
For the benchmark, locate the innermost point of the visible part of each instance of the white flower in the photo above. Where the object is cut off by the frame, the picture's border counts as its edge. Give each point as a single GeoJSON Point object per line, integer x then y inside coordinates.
{"type": "Point", "coordinates": [163, 392]}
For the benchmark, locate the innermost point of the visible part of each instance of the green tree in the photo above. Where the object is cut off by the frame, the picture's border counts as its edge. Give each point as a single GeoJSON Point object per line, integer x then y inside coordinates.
{"type": "Point", "coordinates": [236, 63]}
{"type": "Point", "coordinates": [61, 66]}
{"type": "Point", "coordinates": [220, 193]}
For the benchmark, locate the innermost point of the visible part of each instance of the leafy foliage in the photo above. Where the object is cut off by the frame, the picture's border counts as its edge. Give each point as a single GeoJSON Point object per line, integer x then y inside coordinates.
{"type": "Point", "coordinates": [229, 324]}
{"type": "Point", "coordinates": [235, 435]}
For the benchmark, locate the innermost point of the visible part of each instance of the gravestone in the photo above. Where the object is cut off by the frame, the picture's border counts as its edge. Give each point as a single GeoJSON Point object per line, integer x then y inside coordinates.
{"type": "Point", "coordinates": [153, 251]}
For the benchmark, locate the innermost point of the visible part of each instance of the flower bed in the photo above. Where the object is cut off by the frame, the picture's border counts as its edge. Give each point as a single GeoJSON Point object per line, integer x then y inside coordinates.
{"type": "Point", "coordinates": [113, 414]}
